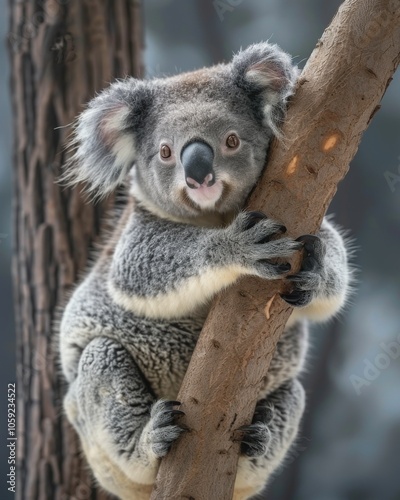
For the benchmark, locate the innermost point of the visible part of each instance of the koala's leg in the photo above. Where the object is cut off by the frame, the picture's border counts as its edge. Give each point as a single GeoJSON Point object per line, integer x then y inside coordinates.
{"type": "Point", "coordinates": [268, 438]}
{"type": "Point", "coordinates": [321, 287]}
{"type": "Point", "coordinates": [122, 429]}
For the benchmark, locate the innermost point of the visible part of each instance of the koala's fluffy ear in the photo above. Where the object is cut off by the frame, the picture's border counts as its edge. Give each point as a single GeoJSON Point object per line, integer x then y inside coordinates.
{"type": "Point", "coordinates": [105, 135]}
{"type": "Point", "coordinates": [265, 70]}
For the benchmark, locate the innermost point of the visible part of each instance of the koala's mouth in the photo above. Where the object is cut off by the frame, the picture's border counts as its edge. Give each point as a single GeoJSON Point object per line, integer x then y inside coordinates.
{"type": "Point", "coordinates": [206, 197]}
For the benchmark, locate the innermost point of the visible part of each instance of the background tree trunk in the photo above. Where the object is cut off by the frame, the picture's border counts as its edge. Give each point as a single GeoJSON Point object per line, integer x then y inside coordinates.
{"type": "Point", "coordinates": [339, 91]}
{"type": "Point", "coordinates": [62, 52]}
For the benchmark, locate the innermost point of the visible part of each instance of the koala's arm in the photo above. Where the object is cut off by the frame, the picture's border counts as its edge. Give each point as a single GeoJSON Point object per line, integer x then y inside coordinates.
{"type": "Point", "coordinates": [165, 269]}
{"type": "Point", "coordinates": [322, 286]}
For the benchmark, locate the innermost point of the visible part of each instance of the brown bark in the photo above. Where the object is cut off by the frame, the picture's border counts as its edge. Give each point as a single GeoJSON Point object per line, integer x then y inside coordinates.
{"type": "Point", "coordinates": [338, 93]}
{"type": "Point", "coordinates": [62, 52]}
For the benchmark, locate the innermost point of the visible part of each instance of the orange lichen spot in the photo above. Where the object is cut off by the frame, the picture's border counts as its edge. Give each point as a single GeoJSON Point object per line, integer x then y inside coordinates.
{"type": "Point", "coordinates": [330, 142]}
{"type": "Point", "coordinates": [293, 164]}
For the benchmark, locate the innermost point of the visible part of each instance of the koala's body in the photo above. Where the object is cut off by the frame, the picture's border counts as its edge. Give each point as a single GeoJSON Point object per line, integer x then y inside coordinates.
{"type": "Point", "coordinates": [193, 147]}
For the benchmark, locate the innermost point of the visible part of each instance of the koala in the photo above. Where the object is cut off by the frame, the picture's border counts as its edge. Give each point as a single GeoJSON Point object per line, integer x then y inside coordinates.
{"type": "Point", "coordinates": [189, 149]}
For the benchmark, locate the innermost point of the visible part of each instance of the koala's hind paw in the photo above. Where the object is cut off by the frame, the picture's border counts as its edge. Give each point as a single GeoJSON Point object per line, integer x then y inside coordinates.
{"type": "Point", "coordinates": [163, 428]}
{"type": "Point", "coordinates": [257, 435]}
{"type": "Point", "coordinates": [308, 280]}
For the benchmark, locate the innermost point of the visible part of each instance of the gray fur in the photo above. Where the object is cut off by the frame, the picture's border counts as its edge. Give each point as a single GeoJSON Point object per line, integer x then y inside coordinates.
{"type": "Point", "coordinates": [130, 327]}
{"type": "Point", "coordinates": [204, 249]}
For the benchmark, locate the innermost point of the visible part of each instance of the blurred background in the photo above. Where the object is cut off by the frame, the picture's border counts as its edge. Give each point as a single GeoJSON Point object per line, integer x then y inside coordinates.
{"type": "Point", "coordinates": [349, 447]}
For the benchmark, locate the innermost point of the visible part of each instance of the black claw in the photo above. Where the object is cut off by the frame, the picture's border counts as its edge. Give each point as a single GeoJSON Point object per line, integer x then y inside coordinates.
{"type": "Point", "coordinates": [176, 413]}
{"type": "Point", "coordinates": [292, 297]}
{"type": "Point", "coordinates": [297, 298]}
{"type": "Point", "coordinates": [313, 252]}
{"type": "Point", "coordinates": [253, 218]}
{"type": "Point", "coordinates": [267, 239]}
{"type": "Point", "coordinates": [310, 242]}
{"type": "Point", "coordinates": [174, 403]}
{"type": "Point", "coordinates": [284, 268]}
{"type": "Point", "coordinates": [295, 278]}
{"type": "Point", "coordinates": [169, 417]}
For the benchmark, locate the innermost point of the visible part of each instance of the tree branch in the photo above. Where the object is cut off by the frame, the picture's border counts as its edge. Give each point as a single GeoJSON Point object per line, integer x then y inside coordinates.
{"type": "Point", "coordinates": [338, 93]}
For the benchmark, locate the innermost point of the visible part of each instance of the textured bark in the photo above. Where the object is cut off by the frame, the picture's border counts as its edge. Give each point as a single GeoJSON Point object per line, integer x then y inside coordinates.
{"type": "Point", "coordinates": [62, 52]}
{"type": "Point", "coordinates": [338, 93]}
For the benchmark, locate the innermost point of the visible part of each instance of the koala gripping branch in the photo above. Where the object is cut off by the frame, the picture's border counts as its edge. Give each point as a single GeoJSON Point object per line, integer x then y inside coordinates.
{"type": "Point", "coordinates": [338, 93]}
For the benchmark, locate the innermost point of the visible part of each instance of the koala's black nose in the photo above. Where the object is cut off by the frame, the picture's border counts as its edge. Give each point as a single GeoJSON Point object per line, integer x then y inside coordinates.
{"type": "Point", "coordinates": [197, 160]}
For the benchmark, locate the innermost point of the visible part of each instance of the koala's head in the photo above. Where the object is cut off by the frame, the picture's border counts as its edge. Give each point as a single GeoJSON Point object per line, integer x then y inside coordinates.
{"type": "Point", "coordinates": [193, 143]}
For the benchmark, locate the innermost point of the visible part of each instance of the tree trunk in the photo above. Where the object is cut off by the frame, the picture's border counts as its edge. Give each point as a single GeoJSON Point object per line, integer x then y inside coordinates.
{"type": "Point", "coordinates": [62, 52]}
{"type": "Point", "coordinates": [338, 93]}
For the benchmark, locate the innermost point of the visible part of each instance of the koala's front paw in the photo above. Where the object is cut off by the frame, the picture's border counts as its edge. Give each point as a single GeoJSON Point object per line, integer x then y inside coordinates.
{"type": "Point", "coordinates": [307, 282]}
{"type": "Point", "coordinates": [257, 435]}
{"type": "Point", "coordinates": [163, 428]}
{"type": "Point", "coordinates": [257, 247]}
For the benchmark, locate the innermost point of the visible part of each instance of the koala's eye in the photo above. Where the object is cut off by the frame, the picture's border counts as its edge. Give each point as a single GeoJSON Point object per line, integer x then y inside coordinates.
{"type": "Point", "coordinates": [165, 151]}
{"type": "Point", "coordinates": [232, 141]}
